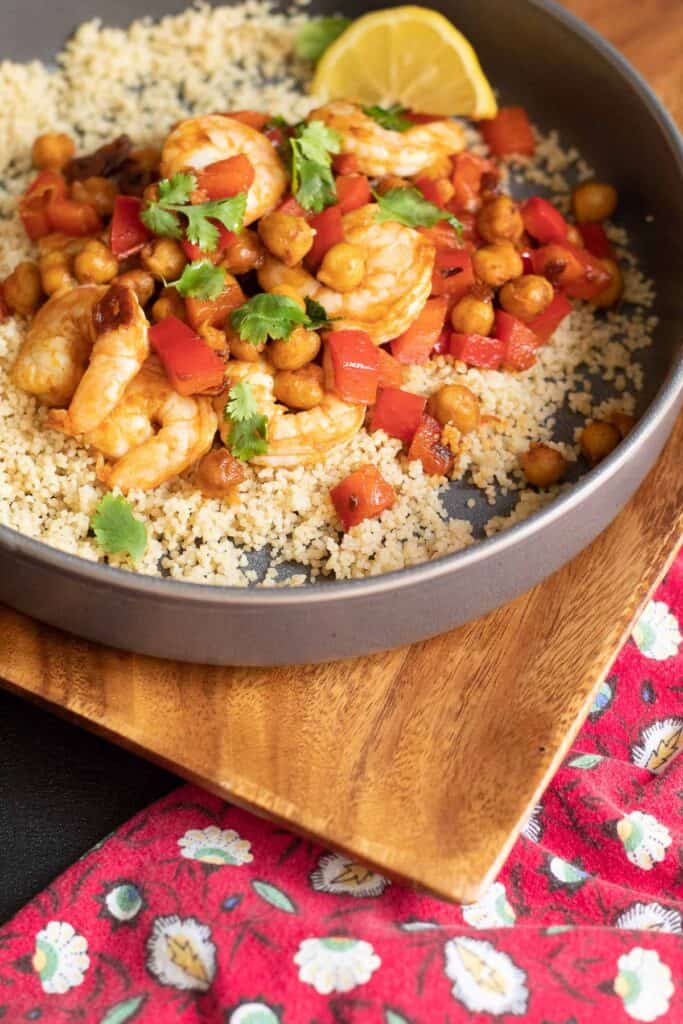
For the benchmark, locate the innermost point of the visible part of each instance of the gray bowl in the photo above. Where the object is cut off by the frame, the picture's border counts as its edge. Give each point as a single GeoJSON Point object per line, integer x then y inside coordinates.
{"type": "Point", "coordinates": [545, 59]}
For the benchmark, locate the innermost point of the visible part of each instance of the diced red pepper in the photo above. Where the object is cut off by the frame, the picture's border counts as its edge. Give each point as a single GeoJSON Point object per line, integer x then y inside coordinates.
{"type": "Point", "coordinates": [520, 342]}
{"type": "Point", "coordinates": [4, 309]}
{"type": "Point", "coordinates": [596, 277]}
{"type": "Point", "coordinates": [225, 239]}
{"type": "Point", "coordinates": [436, 458]}
{"type": "Point", "coordinates": [390, 370]}
{"type": "Point", "coordinates": [543, 221]}
{"type": "Point", "coordinates": [328, 232]}
{"type": "Point", "coordinates": [415, 345]}
{"type": "Point", "coordinates": [442, 235]}
{"type": "Point", "coordinates": [575, 271]}
{"type": "Point", "coordinates": [442, 345]}
{"type": "Point", "coordinates": [509, 132]}
{"type": "Point", "coordinates": [432, 191]}
{"type": "Point", "coordinates": [453, 274]}
{"type": "Point", "coordinates": [192, 367]}
{"type": "Point", "coordinates": [546, 323]}
{"type": "Point", "coordinates": [417, 118]}
{"type": "Point", "coordinates": [362, 495]}
{"type": "Point", "coordinates": [527, 260]}
{"type": "Point", "coordinates": [226, 178]}
{"type": "Point", "coordinates": [276, 135]}
{"type": "Point", "coordinates": [292, 206]}
{"type": "Point", "coordinates": [353, 190]}
{"type": "Point", "coordinates": [355, 363]}
{"type": "Point", "coordinates": [73, 218]}
{"type": "Point", "coordinates": [397, 413]}
{"type": "Point", "coordinates": [254, 118]}
{"type": "Point", "coordinates": [214, 311]}
{"type": "Point", "coordinates": [478, 350]}
{"type": "Point", "coordinates": [596, 241]}
{"type": "Point", "coordinates": [128, 234]}
{"type": "Point", "coordinates": [34, 203]}
{"type": "Point", "coordinates": [345, 163]}
{"type": "Point", "coordinates": [468, 170]}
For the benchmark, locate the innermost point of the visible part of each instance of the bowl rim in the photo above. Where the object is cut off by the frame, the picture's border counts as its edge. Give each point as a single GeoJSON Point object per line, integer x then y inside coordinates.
{"type": "Point", "coordinates": [170, 590]}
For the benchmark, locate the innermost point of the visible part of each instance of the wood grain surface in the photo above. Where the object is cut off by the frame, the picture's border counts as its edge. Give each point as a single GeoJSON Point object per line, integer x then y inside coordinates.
{"type": "Point", "coordinates": [423, 761]}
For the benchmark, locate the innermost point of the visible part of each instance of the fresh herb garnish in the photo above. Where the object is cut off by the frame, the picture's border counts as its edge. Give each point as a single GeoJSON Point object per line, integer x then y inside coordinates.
{"type": "Point", "coordinates": [275, 316]}
{"type": "Point", "coordinates": [249, 430]}
{"type": "Point", "coordinates": [390, 117]}
{"type": "Point", "coordinates": [200, 280]}
{"type": "Point", "coordinates": [317, 315]}
{"type": "Point", "coordinates": [174, 198]}
{"type": "Point", "coordinates": [314, 38]}
{"type": "Point", "coordinates": [408, 206]}
{"type": "Point", "coordinates": [312, 146]}
{"type": "Point", "coordinates": [116, 528]}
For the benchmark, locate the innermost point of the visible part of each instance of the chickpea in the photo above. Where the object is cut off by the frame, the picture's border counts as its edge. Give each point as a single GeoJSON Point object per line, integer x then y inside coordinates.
{"type": "Point", "coordinates": [292, 353]}
{"type": "Point", "coordinates": [343, 267]}
{"type": "Point", "coordinates": [456, 404]}
{"type": "Point", "coordinates": [472, 315]}
{"type": "Point", "coordinates": [53, 151]}
{"type": "Point", "coordinates": [98, 192]}
{"type": "Point", "coordinates": [219, 473]}
{"type": "Point", "coordinates": [593, 201]}
{"type": "Point", "coordinates": [244, 254]}
{"type": "Point", "coordinates": [165, 258]}
{"type": "Point", "coordinates": [286, 236]}
{"type": "Point", "coordinates": [96, 264]}
{"type": "Point", "coordinates": [142, 283]}
{"type": "Point", "coordinates": [54, 273]}
{"type": "Point", "coordinates": [543, 465]}
{"type": "Point", "coordinates": [598, 439]}
{"type": "Point", "coordinates": [623, 422]}
{"type": "Point", "coordinates": [290, 293]}
{"type": "Point", "coordinates": [610, 295]}
{"type": "Point", "coordinates": [499, 220]}
{"type": "Point", "coordinates": [169, 303]}
{"type": "Point", "coordinates": [214, 337]}
{"type": "Point", "coordinates": [244, 350]}
{"type": "Point", "coordinates": [391, 181]}
{"type": "Point", "coordinates": [574, 236]}
{"type": "Point", "coordinates": [300, 389]}
{"type": "Point", "coordinates": [22, 290]}
{"type": "Point", "coordinates": [495, 264]}
{"type": "Point", "coordinates": [527, 296]}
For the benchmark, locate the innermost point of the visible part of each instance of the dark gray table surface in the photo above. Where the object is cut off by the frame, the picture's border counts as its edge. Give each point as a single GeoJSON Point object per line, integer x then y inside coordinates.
{"type": "Point", "coordinates": [61, 790]}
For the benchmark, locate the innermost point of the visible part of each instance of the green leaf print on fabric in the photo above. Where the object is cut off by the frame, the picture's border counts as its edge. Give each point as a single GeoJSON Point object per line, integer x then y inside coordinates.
{"type": "Point", "coordinates": [276, 897]}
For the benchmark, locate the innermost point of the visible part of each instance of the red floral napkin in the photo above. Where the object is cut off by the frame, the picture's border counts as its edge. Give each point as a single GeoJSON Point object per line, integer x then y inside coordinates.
{"type": "Point", "coordinates": [196, 911]}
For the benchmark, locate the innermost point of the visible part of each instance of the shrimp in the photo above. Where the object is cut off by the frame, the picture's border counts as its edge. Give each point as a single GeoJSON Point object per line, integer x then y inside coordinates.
{"type": "Point", "coordinates": [397, 282]}
{"type": "Point", "coordinates": [153, 433]}
{"type": "Point", "coordinates": [380, 151]}
{"type": "Point", "coordinates": [121, 345]}
{"type": "Point", "coordinates": [200, 141]}
{"type": "Point", "coordinates": [54, 354]}
{"type": "Point", "coordinates": [294, 438]}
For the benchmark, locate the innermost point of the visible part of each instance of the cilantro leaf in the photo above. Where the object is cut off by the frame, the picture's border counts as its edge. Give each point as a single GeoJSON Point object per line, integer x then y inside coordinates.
{"type": "Point", "coordinates": [200, 280]}
{"type": "Point", "coordinates": [249, 431]}
{"type": "Point", "coordinates": [161, 222]}
{"type": "Point", "coordinates": [311, 149]}
{"type": "Point", "coordinates": [314, 38]}
{"type": "Point", "coordinates": [389, 117]}
{"type": "Point", "coordinates": [316, 141]}
{"type": "Point", "coordinates": [177, 189]}
{"type": "Point", "coordinates": [161, 218]}
{"type": "Point", "coordinates": [317, 315]}
{"type": "Point", "coordinates": [315, 187]}
{"type": "Point", "coordinates": [408, 206]}
{"type": "Point", "coordinates": [267, 316]}
{"type": "Point", "coordinates": [116, 528]}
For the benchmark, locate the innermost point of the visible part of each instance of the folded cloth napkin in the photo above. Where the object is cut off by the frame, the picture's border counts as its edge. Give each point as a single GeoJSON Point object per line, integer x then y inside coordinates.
{"type": "Point", "coordinates": [197, 911]}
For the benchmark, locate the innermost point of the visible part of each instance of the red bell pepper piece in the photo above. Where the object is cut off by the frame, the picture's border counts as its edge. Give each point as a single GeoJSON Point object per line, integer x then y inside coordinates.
{"type": "Point", "coordinates": [34, 203]}
{"type": "Point", "coordinates": [73, 218]}
{"type": "Point", "coordinates": [596, 241]}
{"type": "Point", "coordinates": [527, 260]}
{"type": "Point", "coordinates": [4, 308]}
{"type": "Point", "coordinates": [214, 311]}
{"type": "Point", "coordinates": [128, 234]}
{"type": "Point", "coordinates": [415, 345]}
{"type": "Point", "coordinates": [468, 170]}
{"type": "Point", "coordinates": [430, 189]}
{"type": "Point", "coordinates": [362, 495]}
{"type": "Point", "coordinates": [353, 190]}
{"type": "Point", "coordinates": [520, 342]}
{"type": "Point", "coordinates": [397, 413]}
{"type": "Point", "coordinates": [575, 271]}
{"type": "Point", "coordinates": [390, 370]}
{"type": "Point", "coordinates": [442, 345]}
{"type": "Point", "coordinates": [546, 323]}
{"type": "Point", "coordinates": [345, 163]}
{"type": "Point", "coordinates": [417, 118]}
{"type": "Point", "coordinates": [226, 178]}
{"type": "Point", "coordinates": [543, 221]}
{"type": "Point", "coordinates": [453, 274]}
{"type": "Point", "coordinates": [509, 132]}
{"type": "Point", "coordinates": [292, 206]}
{"type": "Point", "coordinates": [328, 232]}
{"type": "Point", "coordinates": [225, 239]}
{"type": "Point", "coordinates": [478, 350]}
{"type": "Point", "coordinates": [355, 364]}
{"type": "Point", "coordinates": [442, 235]}
{"type": "Point", "coordinates": [436, 458]}
{"type": "Point", "coordinates": [254, 118]}
{"type": "Point", "coordinates": [192, 367]}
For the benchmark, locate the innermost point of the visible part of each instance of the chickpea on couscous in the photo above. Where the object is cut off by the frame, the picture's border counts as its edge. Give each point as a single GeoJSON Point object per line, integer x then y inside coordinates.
{"type": "Point", "coordinates": [320, 309]}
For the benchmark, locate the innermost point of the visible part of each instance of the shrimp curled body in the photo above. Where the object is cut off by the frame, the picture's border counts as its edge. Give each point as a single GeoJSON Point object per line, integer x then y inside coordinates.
{"type": "Point", "coordinates": [397, 282]}
{"type": "Point", "coordinates": [200, 141]}
{"type": "Point", "coordinates": [381, 151]}
{"type": "Point", "coordinates": [153, 434]}
{"type": "Point", "coordinates": [294, 438]}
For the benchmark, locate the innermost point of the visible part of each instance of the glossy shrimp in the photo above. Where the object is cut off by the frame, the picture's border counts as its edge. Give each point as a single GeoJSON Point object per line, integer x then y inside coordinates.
{"type": "Point", "coordinates": [397, 282]}
{"type": "Point", "coordinates": [200, 141]}
{"type": "Point", "coordinates": [153, 434]}
{"type": "Point", "coordinates": [294, 438]}
{"type": "Point", "coordinates": [121, 345]}
{"type": "Point", "coordinates": [54, 354]}
{"type": "Point", "coordinates": [382, 151]}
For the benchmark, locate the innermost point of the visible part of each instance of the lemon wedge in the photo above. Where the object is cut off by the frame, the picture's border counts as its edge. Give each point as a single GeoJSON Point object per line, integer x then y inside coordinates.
{"type": "Point", "coordinates": [408, 55]}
